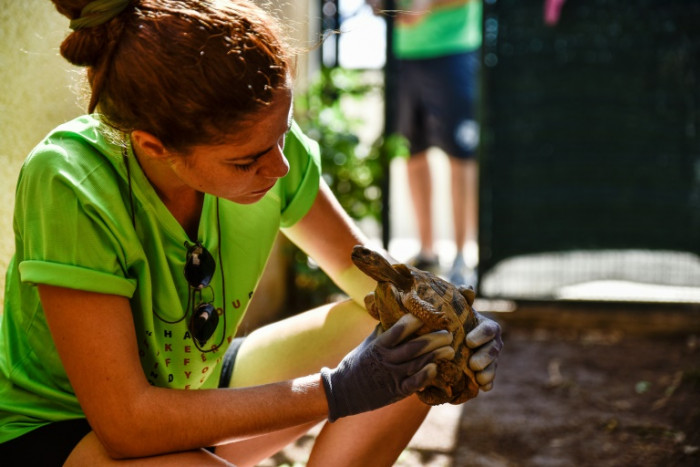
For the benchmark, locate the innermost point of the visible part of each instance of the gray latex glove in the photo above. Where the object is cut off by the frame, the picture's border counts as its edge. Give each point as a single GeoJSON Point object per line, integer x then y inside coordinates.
{"type": "Point", "coordinates": [384, 368]}
{"type": "Point", "coordinates": [485, 340]}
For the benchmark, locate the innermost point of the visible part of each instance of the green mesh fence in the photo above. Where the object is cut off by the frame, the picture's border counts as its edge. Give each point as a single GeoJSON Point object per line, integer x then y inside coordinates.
{"type": "Point", "coordinates": [590, 129]}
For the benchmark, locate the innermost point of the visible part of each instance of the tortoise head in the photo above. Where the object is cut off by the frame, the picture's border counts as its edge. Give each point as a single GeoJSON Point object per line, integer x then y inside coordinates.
{"type": "Point", "coordinates": [378, 267]}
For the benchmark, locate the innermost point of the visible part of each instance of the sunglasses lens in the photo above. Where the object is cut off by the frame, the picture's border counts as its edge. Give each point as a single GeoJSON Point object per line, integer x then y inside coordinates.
{"type": "Point", "coordinates": [204, 322]}
{"type": "Point", "coordinates": [199, 267]}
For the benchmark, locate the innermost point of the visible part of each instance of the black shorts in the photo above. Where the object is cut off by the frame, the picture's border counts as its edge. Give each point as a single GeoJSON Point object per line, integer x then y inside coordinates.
{"type": "Point", "coordinates": [48, 445]}
{"type": "Point", "coordinates": [437, 101]}
{"type": "Point", "coordinates": [51, 444]}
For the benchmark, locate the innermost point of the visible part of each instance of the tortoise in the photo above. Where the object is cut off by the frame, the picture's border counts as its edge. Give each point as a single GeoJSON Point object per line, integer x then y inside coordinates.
{"type": "Point", "coordinates": [439, 304]}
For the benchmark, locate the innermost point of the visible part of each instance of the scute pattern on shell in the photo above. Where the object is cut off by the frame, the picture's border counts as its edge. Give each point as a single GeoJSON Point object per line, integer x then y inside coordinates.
{"type": "Point", "coordinates": [439, 304]}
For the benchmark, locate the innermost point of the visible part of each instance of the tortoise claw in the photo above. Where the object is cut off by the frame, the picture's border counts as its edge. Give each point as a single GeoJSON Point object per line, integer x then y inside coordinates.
{"type": "Point", "coordinates": [468, 294]}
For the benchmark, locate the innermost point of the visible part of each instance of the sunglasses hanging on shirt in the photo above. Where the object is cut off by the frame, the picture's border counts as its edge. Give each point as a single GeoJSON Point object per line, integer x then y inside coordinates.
{"type": "Point", "coordinates": [199, 271]}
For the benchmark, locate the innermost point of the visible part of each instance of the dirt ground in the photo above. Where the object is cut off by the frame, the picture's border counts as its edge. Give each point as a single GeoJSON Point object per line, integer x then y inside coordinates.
{"type": "Point", "coordinates": [587, 398]}
{"type": "Point", "coordinates": [579, 395]}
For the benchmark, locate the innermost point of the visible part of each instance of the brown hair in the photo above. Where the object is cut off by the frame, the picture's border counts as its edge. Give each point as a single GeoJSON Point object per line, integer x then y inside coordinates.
{"type": "Point", "coordinates": [187, 71]}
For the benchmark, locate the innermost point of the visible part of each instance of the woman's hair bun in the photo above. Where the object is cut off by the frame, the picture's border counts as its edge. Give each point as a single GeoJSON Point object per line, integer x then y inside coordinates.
{"type": "Point", "coordinates": [85, 46]}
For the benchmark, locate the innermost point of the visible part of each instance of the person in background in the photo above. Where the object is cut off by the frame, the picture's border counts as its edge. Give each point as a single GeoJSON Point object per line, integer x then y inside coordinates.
{"type": "Point", "coordinates": [436, 45]}
{"type": "Point", "coordinates": [141, 232]}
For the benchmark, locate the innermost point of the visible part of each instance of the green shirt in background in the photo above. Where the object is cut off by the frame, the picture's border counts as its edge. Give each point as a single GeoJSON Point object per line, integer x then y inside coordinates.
{"type": "Point", "coordinates": [443, 31]}
{"type": "Point", "coordinates": [73, 228]}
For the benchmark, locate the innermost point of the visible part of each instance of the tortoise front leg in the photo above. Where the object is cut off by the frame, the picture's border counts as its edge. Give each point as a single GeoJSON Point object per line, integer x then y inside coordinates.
{"type": "Point", "coordinates": [426, 312]}
{"type": "Point", "coordinates": [371, 305]}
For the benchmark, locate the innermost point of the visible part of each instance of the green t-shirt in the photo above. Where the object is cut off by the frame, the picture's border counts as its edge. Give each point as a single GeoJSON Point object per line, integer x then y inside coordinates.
{"type": "Point", "coordinates": [73, 228]}
{"type": "Point", "coordinates": [443, 31]}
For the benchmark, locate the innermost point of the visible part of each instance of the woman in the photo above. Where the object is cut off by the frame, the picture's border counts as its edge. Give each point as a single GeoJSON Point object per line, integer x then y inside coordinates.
{"type": "Point", "coordinates": [141, 231]}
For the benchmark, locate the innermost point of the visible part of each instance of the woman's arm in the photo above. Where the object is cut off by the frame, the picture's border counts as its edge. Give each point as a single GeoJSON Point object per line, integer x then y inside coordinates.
{"type": "Point", "coordinates": [328, 234]}
{"type": "Point", "coordinates": [95, 338]}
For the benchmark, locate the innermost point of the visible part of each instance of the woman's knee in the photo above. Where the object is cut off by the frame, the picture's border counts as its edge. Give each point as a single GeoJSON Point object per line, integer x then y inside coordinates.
{"type": "Point", "coordinates": [385, 434]}
{"type": "Point", "coordinates": [302, 344]}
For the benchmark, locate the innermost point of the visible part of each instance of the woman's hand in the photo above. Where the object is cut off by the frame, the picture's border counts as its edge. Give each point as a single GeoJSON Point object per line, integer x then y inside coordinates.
{"type": "Point", "coordinates": [384, 368]}
{"type": "Point", "coordinates": [486, 344]}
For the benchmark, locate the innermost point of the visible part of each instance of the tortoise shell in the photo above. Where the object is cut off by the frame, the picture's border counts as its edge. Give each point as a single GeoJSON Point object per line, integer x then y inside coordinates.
{"type": "Point", "coordinates": [439, 304]}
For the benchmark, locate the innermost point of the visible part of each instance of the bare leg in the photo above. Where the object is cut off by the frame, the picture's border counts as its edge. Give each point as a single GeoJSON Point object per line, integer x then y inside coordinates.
{"type": "Point", "coordinates": [420, 186]}
{"type": "Point", "coordinates": [293, 347]}
{"type": "Point", "coordinates": [302, 344]}
{"type": "Point", "coordinates": [250, 452]}
{"type": "Point", "coordinates": [384, 435]}
{"type": "Point", "coordinates": [465, 192]}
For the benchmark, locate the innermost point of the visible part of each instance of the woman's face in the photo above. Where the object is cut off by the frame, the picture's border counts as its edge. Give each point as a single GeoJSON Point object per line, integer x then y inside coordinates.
{"type": "Point", "coordinates": [246, 167]}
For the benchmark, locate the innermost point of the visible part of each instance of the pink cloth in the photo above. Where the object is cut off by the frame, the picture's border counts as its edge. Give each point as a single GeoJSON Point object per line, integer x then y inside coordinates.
{"type": "Point", "coordinates": [552, 10]}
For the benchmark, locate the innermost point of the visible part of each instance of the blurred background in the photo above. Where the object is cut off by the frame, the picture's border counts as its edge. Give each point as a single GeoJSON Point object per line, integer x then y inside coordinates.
{"type": "Point", "coordinates": [589, 177]}
{"type": "Point", "coordinates": [590, 145]}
